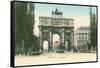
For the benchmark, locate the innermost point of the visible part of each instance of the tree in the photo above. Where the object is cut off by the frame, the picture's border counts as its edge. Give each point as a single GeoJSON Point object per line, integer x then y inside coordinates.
{"type": "Point", "coordinates": [93, 30]}
{"type": "Point", "coordinates": [24, 24]}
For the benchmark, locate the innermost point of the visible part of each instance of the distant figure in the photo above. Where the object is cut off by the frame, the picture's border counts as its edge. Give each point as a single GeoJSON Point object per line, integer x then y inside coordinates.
{"type": "Point", "coordinates": [56, 45]}
{"type": "Point", "coordinates": [61, 13]}
{"type": "Point", "coordinates": [52, 12]}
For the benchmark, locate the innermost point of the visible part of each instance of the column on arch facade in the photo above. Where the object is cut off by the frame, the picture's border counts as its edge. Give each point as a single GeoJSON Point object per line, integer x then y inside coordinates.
{"type": "Point", "coordinates": [41, 45]}
{"type": "Point", "coordinates": [63, 37]}
{"type": "Point", "coordinates": [72, 39]}
{"type": "Point", "coordinates": [50, 45]}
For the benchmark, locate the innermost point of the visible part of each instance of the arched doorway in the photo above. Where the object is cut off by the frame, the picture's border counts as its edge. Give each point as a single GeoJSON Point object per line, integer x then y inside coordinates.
{"type": "Point", "coordinates": [66, 45]}
{"type": "Point", "coordinates": [56, 41]}
{"type": "Point", "coordinates": [45, 45]}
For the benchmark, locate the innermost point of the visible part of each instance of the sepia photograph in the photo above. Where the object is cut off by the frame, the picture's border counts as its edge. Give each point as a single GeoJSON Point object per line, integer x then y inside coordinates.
{"type": "Point", "coordinates": [53, 33]}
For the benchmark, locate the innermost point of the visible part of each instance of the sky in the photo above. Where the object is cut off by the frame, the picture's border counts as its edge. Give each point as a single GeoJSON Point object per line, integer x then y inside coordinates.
{"type": "Point", "coordinates": [80, 14]}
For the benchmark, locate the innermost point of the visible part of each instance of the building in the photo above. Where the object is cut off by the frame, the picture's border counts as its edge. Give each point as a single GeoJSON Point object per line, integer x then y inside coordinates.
{"type": "Point", "coordinates": [82, 37]}
{"type": "Point", "coordinates": [56, 24]}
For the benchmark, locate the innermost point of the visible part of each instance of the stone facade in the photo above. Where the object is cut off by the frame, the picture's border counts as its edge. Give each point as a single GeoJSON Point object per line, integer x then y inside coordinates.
{"type": "Point", "coordinates": [82, 36]}
{"type": "Point", "coordinates": [56, 24]}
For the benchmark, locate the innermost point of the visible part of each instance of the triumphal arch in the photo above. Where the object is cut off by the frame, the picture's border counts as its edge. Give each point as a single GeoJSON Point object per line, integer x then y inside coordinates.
{"type": "Point", "coordinates": [56, 24]}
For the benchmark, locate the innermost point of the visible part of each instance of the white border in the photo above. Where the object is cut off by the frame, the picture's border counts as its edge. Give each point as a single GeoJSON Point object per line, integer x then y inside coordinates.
{"type": "Point", "coordinates": [5, 33]}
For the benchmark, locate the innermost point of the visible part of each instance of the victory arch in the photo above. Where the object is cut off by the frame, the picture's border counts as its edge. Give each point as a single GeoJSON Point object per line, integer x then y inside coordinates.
{"type": "Point", "coordinates": [56, 24]}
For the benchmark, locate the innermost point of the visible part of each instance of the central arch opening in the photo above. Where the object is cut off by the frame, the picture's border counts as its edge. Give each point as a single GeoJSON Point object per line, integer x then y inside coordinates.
{"type": "Point", "coordinates": [56, 41]}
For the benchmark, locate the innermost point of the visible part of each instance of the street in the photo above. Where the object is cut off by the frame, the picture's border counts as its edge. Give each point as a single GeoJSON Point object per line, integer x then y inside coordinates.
{"type": "Point", "coordinates": [51, 58]}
